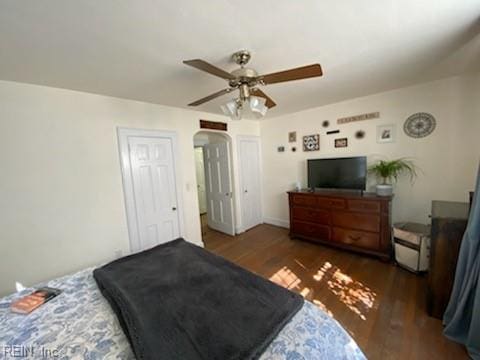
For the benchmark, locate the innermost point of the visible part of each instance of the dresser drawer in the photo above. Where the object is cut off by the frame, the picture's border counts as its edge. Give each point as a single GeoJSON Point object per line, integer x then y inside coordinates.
{"type": "Point", "coordinates": [356, 238]}
{"type": "Point", "coordinates": [329, 203]}
{"type": "Point", "coordinates": [320, 232]}
{"type": "Point", "coordinates": [356, 221]}
{"type": "Point", "coordinates": [364, 206]}
{"type": "Point", "coordinates": [311, 215]}
{"type": "Point", "coordinates": [304, 200]}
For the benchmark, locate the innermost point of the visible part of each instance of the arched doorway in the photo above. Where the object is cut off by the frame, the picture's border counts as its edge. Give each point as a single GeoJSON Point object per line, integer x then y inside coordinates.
{"type": "Point", "coordinates": [214, 182]}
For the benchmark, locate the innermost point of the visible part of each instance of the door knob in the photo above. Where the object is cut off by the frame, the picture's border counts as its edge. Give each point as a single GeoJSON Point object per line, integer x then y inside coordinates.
{"type": "Point", "coordinates": [174, 208]}
{"type": "Point", "coordinates": [246, 191]}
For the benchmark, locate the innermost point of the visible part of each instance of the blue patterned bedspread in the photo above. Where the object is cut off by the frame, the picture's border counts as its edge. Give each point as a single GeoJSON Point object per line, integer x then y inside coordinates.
{"type": "Point", "coordinates": [79, 324]}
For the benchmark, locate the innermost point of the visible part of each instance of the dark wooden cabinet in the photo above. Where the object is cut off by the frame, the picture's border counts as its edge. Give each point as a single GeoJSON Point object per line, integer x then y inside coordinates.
{"type": "Point", "coordinates": [449, 221]}
{"type": "Point", "coordinates": [353, 221]}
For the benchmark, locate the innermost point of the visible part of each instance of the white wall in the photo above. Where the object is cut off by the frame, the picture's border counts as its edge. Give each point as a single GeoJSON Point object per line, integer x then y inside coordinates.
{"type": "Point", "coordinates": [448, 158]}
{"type": "Point", "coordinates": [62, 205]}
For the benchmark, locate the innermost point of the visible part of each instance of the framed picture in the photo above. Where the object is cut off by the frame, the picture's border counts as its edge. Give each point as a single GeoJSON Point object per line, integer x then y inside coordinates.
{"type": "Point", "coordinates": [292, 136]}
{"type": "Point", "coordinates": [385, 134]}
{"type": "Point", "coordinates": [311, 142]}
{"type": "Point", "coordinates": [341, 143]}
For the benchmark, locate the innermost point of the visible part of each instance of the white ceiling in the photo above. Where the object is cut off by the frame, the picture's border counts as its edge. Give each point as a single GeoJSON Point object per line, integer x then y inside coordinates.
{"type": "Point", "coordinates": [134, 49]}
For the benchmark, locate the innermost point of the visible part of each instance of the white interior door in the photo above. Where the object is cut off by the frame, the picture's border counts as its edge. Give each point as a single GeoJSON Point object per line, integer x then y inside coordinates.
{"type": "Point", "coordinates": [218, 188]}
{"type": "Point", "coordinates": [251, 190]}
{"type": "Point", "coordinates": [154, 189]}
{"type": "Point", "coordinates": [200, 171]}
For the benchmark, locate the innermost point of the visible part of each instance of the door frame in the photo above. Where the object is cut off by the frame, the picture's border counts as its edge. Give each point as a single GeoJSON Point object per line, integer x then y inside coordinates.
{"type": "Point", "coordinates": [127, 181]}
{"type": "Point", "coordinates": [232, 166]}
{"type": "Point", "coordinates": [239, 139]}
{"type": "Point", "coordinates": [196, 179]}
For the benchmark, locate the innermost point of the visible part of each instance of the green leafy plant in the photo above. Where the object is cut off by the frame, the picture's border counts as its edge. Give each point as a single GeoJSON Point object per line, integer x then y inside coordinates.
{"type": "Point", "coordinates": [393, 169]}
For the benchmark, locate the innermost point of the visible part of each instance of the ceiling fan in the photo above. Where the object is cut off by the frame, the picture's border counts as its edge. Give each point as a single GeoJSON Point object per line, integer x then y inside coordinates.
{"type": "Point", "coordinates": [247, 80]}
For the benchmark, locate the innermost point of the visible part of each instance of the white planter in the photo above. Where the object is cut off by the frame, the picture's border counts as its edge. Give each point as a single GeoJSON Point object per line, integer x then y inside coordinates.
{"type": "Point", "coordinates": [384, 190]}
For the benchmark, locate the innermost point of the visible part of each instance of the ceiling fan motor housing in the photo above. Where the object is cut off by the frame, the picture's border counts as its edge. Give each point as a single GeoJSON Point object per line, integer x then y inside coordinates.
{"type": "Point", "coordinates": [244, 76]}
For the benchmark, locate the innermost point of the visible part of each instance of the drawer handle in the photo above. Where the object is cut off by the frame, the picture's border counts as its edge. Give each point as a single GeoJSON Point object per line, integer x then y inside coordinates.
{"type": "Point", "coordinates": [354, 238]}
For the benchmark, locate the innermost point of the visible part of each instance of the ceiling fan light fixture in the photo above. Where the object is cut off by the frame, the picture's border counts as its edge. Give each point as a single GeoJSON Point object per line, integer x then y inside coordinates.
{"type": "Point", "coordinates": [257, 106]}
{"type": "Point", "coordinates": [233, 109]}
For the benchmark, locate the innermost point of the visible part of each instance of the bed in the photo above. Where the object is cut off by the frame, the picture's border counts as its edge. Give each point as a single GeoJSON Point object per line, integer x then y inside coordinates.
{"type": "Point", "coordinates": [80, 324]}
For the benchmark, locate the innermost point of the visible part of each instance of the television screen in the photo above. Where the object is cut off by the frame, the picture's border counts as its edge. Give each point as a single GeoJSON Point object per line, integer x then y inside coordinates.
{"type": "Point", "coordinates": [338, 173]}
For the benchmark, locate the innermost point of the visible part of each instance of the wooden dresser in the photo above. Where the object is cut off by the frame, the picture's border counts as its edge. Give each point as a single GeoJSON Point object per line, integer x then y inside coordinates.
{"type": "Point", "coordinates": [347, 220]}
{"type": "Point", "coordinates": [449, 221]}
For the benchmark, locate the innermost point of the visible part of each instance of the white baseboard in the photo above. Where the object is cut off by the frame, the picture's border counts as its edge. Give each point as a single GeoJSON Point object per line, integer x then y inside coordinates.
{"type": "Point", "coordinates": [239, 230]}
{"type": "Point", "coordinates": [277, 222]}
{"type": "Point", "coordinates": [201, 244]}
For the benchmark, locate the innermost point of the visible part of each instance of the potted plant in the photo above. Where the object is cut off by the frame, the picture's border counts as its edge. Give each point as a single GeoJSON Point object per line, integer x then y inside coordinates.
{"type": "Point", "coordinates": [390, 171]}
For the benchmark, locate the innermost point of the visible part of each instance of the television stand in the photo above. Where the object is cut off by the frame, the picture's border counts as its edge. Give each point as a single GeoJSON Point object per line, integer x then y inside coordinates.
{"type": "Point", "coordinates": [352, 220]}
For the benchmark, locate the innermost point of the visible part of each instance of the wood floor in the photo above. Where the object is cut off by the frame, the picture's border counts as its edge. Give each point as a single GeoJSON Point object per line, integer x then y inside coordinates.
{"type": "Point", "coordinates": [382, 306]}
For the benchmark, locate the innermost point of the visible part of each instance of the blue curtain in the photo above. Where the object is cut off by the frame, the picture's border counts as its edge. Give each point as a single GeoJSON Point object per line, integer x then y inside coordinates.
{"type": "Point", "coordinates": [462, 316]}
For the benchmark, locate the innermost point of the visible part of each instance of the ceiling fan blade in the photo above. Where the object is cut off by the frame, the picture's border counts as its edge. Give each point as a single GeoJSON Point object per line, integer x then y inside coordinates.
{"type": "Point", "coordinates": [210, 97]}
{"type": "Point", "coordinates": [209, 68]}
{"type": "Point", "coordinates": [269, 102]}
{"type": "Point", "coordinates": [303, 72]}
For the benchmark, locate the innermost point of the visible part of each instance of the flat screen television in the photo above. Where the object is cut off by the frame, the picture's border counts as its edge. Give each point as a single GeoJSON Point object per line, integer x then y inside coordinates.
{"type": "Point", "coordinates": [338, 173]}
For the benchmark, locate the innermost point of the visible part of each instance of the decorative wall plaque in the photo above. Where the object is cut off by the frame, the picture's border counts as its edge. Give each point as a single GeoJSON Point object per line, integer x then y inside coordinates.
{"type": "Point", "coordinates": [311, 142]}
{"type": "Point", "coordinates": [419, 125]}
{"type": "Point", "coordinates": [213, 125]}
{"type": "Point", "coordinates": [349, 119]}
{"type": "Point", "coordinates": [333, 132]}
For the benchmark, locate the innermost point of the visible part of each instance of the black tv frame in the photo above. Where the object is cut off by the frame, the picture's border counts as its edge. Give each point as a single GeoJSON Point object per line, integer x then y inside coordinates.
{"type": "Point", "coordinates": [313, 189]}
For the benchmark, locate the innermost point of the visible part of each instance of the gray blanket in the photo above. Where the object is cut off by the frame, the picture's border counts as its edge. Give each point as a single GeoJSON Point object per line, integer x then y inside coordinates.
{"type": "Point", "coordinates": [179, 301]}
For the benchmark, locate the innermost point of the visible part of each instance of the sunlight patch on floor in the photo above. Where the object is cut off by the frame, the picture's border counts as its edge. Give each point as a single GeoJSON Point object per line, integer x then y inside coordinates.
{"type": "Point", "coordinates": [320, 273]}
{"type": "Point", "coordinates": [356, 296]}
{"type": "Point", "coordinates": [305, 292]}
{"type": "Point", "coordinates": [286, 278]}
{"type": "Point", "coordinates": [300, 264]}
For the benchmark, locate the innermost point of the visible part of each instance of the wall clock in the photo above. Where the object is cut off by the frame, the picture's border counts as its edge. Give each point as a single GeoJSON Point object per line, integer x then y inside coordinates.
{"type": "Point", "coordinates": [419, 125]}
